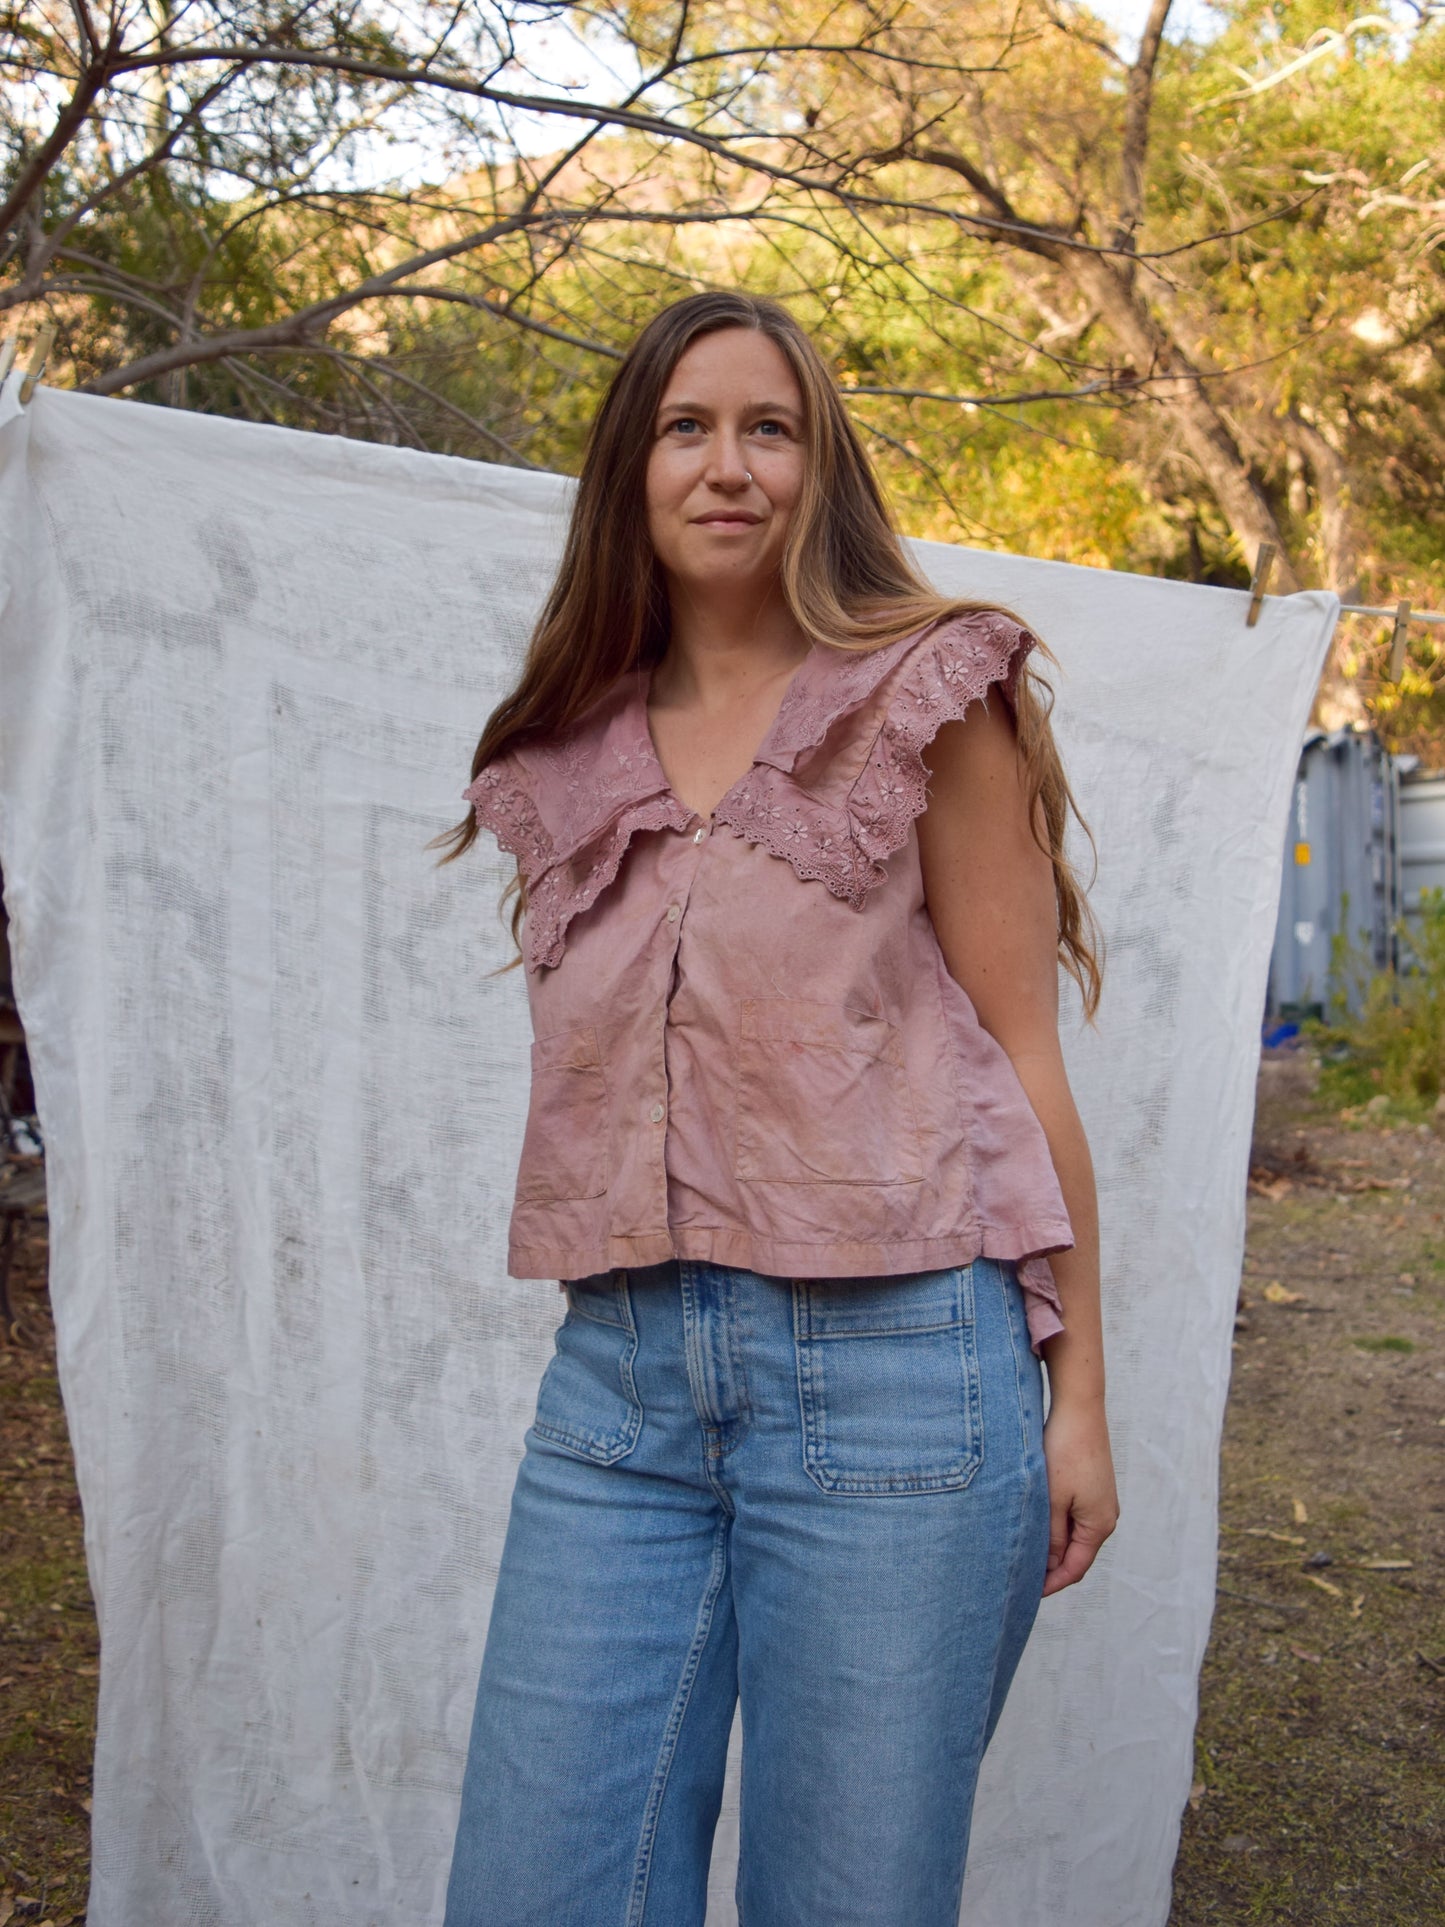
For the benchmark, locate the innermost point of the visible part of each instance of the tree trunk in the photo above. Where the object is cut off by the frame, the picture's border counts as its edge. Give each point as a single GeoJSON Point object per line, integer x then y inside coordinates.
{"type": "Point", "coordinates": [1111, 285]}
{"type": "Point", "coordinates": [1222, 463]}
{"type": "Point", "coordinates": [1338, 702]}
{"type": "Point", "coordinates": [1339, 537]}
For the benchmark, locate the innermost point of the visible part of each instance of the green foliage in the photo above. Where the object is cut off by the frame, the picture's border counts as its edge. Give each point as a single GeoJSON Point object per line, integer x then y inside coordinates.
{"type": "Point", "coordinates": [1303, 276]}
{"type": "Point", "coordinates": [341, 224]}
{"type": "Point", "coordinates": [1391, 1046]}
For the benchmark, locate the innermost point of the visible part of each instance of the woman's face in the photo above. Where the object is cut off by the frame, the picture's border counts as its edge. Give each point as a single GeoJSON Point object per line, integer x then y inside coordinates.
{"type": "Point", "coordinates": [726, 466]}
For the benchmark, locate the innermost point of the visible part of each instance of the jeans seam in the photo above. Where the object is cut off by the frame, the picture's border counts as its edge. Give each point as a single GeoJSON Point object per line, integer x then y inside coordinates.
{"type": "Point", "coordinates": [739, 1328]}
{"type": "Point", "coordinates": [1015, 1557]}
{"type": "Point", "coordinates": [675, 1719]}
{"type": "Point", "coordinates": [1028, 1455]}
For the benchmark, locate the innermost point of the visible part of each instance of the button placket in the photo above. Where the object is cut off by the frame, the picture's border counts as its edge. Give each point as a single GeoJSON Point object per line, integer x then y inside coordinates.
{"type": "Point", "coordinates": [673, 913]}
{"type": "Point", "coordinates": [672, 922]}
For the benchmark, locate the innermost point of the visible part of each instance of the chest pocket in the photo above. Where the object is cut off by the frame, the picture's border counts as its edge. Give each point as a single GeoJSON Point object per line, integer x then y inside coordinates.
{"type": "Point", "coordinates": [823, 1097]}
{"type": "Point", "coordinates": [564, 1148]}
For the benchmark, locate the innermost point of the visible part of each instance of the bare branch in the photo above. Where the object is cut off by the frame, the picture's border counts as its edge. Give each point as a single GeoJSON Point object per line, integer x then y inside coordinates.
{"type": "Point", "coordinates": [507, 311]}
{"type": "Point", "coordinates": [1115, 384]}
{"type": "Point", "coordinates": [303, 329]}
{"type": "Point", "coordinates": [1030, 235]}
{"type": "Point", "coordinates": [36, 171]}
{"type": "Point", "coordinates": [186, 123]}
{"type": "Point", "coordinates": [393, 373]}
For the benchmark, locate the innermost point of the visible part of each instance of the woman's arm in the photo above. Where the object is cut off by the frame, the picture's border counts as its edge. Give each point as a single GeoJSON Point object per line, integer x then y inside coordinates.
{"type": "Point", "coordinates": [990, 892]}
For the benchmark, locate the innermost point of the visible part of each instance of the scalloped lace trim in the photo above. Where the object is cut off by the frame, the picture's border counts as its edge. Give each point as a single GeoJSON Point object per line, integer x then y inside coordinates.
{"type": "Point", "coordinates": [503, 804]}
{"type": "Point", "coordinates": [567, 888]}
{"type": "Point", "coordinates": [846, 848]}
{"type": "Point", "coordinates": [603, 766]}
{"type": "Point", "coordinates": [558, 889]}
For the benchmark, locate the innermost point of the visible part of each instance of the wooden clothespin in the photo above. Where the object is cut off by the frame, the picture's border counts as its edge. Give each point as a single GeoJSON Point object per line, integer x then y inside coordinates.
{"type": "Point", "coordinates": [1397, 641]}
{"type": "Point", "coordinates": [1256, 588]}
{"type": "Point", "coordinates": [7, 355]}
{"type": "Point", "coordinates": [35, 367]}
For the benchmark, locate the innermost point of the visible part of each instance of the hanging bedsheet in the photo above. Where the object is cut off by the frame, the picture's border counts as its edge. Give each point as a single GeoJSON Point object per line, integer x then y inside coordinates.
{"type": "Point", "coordinates": [242, 672]}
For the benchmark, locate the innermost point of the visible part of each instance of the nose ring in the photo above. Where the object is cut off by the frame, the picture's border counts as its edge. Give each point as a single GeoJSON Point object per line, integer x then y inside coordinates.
{"type": "Point", "coordinates": [746, 476]}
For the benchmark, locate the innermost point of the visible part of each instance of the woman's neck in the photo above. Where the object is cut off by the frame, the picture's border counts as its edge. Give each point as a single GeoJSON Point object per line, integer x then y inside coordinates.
{"type": "Point", "coordinates": [722, 647]}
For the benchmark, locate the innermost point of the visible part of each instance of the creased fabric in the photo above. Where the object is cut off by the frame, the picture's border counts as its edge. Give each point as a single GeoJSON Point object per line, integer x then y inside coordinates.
{"type": "Point", "coordinates": [748, 1046]}
{"type": "Point", "coordinates": [242, 672]}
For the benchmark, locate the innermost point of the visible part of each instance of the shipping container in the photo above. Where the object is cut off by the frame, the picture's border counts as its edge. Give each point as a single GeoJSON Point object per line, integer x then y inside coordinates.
{"type": "Point", "coordinates": [1422, 835]}
{"type": "Point", "coordinates": [1342, 874]}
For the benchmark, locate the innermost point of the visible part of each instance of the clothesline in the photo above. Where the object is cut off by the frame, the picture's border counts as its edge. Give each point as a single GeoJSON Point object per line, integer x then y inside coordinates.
{"type": "Point", "coordinates": [1402, 614]}
{"type": "Point", "coordinates": [1367, 609]}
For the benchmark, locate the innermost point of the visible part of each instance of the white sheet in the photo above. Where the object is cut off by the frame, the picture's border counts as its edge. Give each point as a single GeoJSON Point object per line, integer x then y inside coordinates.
{"type": "Point", "coordinates": [243, 672]}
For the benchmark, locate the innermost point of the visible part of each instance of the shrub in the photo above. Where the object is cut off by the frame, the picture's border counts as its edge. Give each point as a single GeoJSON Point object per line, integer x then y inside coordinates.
{"type": "Point", "coordinates": [1392, 1044]}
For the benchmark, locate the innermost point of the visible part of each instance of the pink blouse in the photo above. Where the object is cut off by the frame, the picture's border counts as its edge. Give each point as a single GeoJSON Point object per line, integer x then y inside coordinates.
{"type": "Point", "coordinates": [748, 1048]}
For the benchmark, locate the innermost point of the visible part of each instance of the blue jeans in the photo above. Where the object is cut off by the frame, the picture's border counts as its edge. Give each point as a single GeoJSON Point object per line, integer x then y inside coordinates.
{"type": "Point", "coordinates": [823, 1497]}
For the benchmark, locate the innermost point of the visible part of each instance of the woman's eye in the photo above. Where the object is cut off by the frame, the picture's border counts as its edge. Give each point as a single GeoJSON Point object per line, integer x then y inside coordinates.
{"type": "Point", "coordinates": [689, 426]}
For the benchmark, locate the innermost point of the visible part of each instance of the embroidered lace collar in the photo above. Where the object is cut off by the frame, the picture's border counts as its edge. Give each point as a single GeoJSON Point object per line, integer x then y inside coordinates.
{"type": "Point", "coordinates": [568, 808]}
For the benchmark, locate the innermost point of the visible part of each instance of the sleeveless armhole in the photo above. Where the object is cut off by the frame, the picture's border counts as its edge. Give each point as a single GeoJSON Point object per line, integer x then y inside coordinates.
{"type": "Point", "coordinates": [959, 663]}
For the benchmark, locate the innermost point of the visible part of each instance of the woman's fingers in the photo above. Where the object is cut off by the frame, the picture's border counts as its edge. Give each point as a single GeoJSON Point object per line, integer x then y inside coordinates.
{"type": "Point", "coordinates": [1058, 1531]}
{"type": "Point", "coordinates": [1077, 1553]}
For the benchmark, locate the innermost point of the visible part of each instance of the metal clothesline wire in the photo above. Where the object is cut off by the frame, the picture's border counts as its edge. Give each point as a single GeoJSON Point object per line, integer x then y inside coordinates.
{"type": "Point", "coordinates": [1365, 609]}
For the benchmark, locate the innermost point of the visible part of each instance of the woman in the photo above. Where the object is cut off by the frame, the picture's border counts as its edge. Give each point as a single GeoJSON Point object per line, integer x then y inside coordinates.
{"type": "Point", "coordinates": [802, 1154]}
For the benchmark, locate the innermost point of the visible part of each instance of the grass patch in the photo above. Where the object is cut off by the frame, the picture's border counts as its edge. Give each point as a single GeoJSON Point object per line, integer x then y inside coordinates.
{"type": "Point", "coordinates": [1341, 1513]}
{"type": "Point", "coordinates": [1384, 1344]}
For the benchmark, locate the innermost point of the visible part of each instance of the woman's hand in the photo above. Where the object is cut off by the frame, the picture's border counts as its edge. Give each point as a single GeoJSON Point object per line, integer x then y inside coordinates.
{"type": "Point", "coordinates": [1083, 1500]}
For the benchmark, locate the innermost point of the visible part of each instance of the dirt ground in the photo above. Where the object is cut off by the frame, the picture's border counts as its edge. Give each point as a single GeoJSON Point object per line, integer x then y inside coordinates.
{"type": "Point", "coordinates": [49, 1648]}
{"type": "Point", "coordinates": [1320, 1777]}
{"type": "Point", "coordinates": [1320, 1773]}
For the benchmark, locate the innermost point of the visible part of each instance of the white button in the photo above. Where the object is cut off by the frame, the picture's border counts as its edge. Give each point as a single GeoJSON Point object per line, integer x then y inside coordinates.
{"type": "Point", "coordinates": [656, 1114]}
{"type": "Point", "coordinates": [673, 913]}
{"type": "Point", "coordinates": [698, 835]}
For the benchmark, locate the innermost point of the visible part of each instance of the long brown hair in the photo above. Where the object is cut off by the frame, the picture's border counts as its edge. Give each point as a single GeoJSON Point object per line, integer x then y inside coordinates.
{"type": "Point", "coordinates": [845, 573]}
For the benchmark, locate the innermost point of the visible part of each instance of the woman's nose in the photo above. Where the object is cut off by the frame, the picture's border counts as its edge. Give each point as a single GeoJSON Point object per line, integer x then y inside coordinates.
{"type": "Point", "coordinates": [727, 469]}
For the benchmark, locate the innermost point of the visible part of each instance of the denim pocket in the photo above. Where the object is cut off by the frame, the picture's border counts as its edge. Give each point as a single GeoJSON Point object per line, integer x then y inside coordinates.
{"type": "Point", "coordinates": [888, 1381]}
{"type": "Point", "coordinates": [587, 1400]}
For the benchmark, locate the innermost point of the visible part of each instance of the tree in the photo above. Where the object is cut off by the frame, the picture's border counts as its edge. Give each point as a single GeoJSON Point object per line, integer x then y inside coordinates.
{"type": "Point", "coordinates": [1167, 261]}
{"type": "Point", "coordinates": [1235, 242]}
{"type": "Point", "coordinates": [204, 187]}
